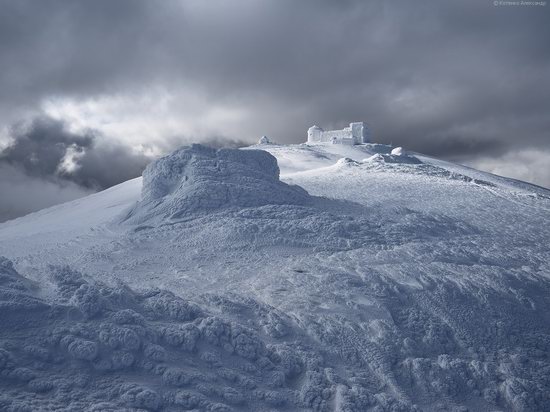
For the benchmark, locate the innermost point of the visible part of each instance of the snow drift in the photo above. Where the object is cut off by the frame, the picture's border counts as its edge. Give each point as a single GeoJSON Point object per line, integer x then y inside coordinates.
{"type": "Point", "coordinates": [396, 156]}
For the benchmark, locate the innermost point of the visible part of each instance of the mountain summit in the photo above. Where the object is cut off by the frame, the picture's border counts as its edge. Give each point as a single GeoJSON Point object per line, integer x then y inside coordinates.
{"type": "Point", "coordinates": [325, 277]}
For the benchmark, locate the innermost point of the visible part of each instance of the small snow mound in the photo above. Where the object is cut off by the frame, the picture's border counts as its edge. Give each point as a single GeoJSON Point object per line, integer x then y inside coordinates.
{"type": "Point", "coordinates": [394, 157]}
{"type": "Point", "coordinates": [374, 158]}
{"type": "Point", "coordinates": [346, 162]}
{"type": "Point", "coordinates": [398, 151]}
{"type": "Point", "coordinates": [200, 178]}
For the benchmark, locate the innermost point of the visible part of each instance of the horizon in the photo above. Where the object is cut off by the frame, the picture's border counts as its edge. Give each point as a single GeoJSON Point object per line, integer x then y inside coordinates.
{"type": "Point", "coordinates": [97, 90]}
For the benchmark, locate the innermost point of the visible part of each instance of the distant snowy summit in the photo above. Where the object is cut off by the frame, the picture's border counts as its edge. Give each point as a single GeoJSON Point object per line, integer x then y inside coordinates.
{"type": "Point", "coordinates": [356, 133]}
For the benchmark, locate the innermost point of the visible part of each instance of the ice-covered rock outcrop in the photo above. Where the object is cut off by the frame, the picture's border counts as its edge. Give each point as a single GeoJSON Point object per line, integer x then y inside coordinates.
{"type": "Point", "coordinates": [198, 178]}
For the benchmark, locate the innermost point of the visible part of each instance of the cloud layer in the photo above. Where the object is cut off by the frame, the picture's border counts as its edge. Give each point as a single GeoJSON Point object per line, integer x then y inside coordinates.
{"type": "Point", "coordinates": [45, 164]}
{"type": "Point", "coordinates": [21, 194]}
{"type": "Point", "coordinates": [460, 80]}
{"type": "Point", "coordinates": [44, 148]}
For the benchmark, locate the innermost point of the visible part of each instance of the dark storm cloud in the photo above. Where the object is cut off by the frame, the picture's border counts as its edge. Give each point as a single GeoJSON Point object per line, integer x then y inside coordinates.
{"type": "Point", "coordinates": [46, 164]}
{"type": "Point", "coordinates": [41, 148]}
{"type": "Point", "coordinates": [467, 63]}
{"type": "Point", "coordinates": [460, 80]}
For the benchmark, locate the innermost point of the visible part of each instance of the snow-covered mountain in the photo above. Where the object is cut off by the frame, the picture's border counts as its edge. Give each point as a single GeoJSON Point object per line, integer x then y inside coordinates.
{"type": "Point", "coordinates": [320, 277]}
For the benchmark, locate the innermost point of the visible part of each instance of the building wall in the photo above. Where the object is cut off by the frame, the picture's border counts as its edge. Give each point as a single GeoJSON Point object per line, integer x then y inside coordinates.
{"type": "Point", "coordinates": [327, 136]}
{"type": "Point", "coordinates": [356, 133]}
{"type": "Point", "coordinates": [360, 132]}
{"type": "Point", "coordinates": [314, 134]}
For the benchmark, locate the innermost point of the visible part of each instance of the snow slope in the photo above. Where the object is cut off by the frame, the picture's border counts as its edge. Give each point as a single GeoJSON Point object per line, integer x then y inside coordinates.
{"type": "Point", "coordinates": [396, 282]}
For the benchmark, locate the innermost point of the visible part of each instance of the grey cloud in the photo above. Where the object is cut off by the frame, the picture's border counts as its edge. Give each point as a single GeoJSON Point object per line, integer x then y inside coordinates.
{"type": "Point", "coordinates": [171, 143]}
{"type": "Point", "coordinates": [460, 80]}
{"type": "Point", "coordinates": [40, 146]}
{"type": "Point", "coordinates": [22, 194]}
{"type": "Point", "coordinates": [525, 164]}
{"type": "Point", "coordinates": [31, 172]}
{"type": "Point", "coordinates": [32, 175]}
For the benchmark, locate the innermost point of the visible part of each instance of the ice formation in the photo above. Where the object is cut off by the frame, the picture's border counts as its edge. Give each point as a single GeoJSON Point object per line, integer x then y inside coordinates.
{"type": "Point", "coordinates": [199, 178]}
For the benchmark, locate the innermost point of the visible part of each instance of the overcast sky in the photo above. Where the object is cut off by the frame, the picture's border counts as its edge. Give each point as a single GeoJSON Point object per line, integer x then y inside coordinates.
{"type": "Point", "coordinates": [91, 90]}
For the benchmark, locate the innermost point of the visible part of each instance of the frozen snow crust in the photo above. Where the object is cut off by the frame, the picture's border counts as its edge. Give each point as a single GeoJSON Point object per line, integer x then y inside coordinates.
{"type": "Point", "coordinates": [101, 348]}
{"type": "Point", "coordinates": [400, 283]}
{"type": "Point", "coordinates": [199, 178]}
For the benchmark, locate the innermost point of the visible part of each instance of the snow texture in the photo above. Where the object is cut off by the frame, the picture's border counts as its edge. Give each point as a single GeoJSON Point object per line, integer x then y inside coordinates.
{"type": "Point", "coordinates": [396, 156]}
{"type": "Point", "coordinates": [199, 178]}
{"type": "Point", "coordinates": [399, 283]}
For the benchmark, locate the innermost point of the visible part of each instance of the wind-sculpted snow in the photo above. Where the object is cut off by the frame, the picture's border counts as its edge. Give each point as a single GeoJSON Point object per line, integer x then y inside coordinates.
{"type": "Point", "coordinates": [132, 353]}
{"type": "Point", "coordinates": [199, 178]}
{"type": "Point", "coordinates": [149, 350]}
{"type": "Point", "coordinates": [152, 350]}
{"type": "Point", "coordinates": [395, 156]}
{"type": "Point", "coordinates": [400, 283]}
{"type": "Point", "coordinates": [404, 163]}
